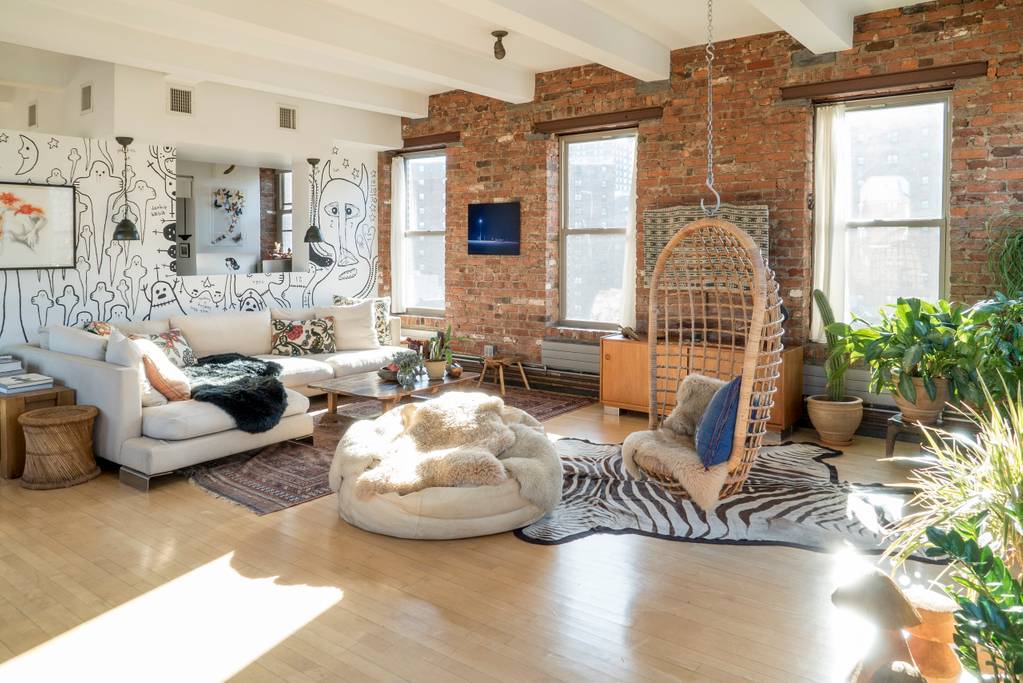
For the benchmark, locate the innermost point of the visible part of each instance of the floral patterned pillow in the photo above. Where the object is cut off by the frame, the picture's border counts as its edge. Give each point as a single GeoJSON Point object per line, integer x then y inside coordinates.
{"type": "Point", "coordinates": [99, 328]}
{"type": "Point", "coordinates": [381, 313]}
{"type": "Point", "coordinates": [301, 337]}
{"type": "Point", "coordinates": [173, 344]}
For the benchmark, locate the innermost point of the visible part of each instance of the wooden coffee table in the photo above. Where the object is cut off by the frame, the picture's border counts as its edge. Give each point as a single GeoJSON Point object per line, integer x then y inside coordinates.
{"type": "Point", "coordinates": [368, 385]}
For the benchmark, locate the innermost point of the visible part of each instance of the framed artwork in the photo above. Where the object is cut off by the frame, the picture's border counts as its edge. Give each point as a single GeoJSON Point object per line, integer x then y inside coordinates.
{"type": "Point", "coordinates": [230, 204]}
{"type": "Point", "coordinates": [37, 226]}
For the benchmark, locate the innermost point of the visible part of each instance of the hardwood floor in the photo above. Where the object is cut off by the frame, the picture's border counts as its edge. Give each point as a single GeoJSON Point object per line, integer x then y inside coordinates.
{"type": "Point", "coordinates": [101, 582]}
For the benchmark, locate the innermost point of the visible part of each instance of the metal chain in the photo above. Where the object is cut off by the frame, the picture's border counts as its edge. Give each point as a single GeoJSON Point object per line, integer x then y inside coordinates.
{"type": "Point", "coordinates": [709, 49]}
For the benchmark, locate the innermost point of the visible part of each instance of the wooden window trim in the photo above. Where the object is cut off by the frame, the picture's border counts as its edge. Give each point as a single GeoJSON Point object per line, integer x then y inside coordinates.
{"type": "Point", "coordinates": [628, 118]}
{"type": "Point", "coordinates": [841, 87]}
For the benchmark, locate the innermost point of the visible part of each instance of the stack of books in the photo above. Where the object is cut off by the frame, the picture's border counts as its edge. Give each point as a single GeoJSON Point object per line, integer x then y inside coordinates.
{"type": "Point", "coordinates": [9, 365]}
{"type": "Point", "coordinates": [19, 384]}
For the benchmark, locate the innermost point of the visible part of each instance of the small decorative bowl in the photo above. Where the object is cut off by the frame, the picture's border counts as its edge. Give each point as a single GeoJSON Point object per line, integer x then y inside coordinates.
{"type": "Point", "coordinates": [387, 375]}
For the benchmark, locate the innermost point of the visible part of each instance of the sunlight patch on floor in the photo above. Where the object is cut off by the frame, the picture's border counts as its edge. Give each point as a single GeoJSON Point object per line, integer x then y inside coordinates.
{"type": "Point", "coordinates": [206, 625]}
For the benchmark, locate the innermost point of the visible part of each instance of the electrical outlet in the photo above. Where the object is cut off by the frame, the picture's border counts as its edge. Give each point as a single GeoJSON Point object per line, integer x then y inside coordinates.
{"type": "Point", "coordinates": [488, 350]}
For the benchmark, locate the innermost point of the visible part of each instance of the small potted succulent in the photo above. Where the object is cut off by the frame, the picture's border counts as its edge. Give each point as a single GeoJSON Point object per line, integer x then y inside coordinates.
{"type": "Point", "coordinates": [834, 415]}
{"type": "Point", "coordinates": [437, 354]}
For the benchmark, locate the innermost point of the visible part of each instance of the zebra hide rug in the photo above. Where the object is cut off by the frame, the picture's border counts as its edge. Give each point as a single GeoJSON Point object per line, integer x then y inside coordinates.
{"type": "Point", "coordinates": [791, 498]}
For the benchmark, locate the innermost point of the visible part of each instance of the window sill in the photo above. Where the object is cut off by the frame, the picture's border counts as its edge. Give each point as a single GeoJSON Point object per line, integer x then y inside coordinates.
{"type": "Point", "coordinates": [567, 329]}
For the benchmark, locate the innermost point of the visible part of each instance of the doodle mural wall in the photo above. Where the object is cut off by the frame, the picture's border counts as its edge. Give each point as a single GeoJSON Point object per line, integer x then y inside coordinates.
{"type": "Point", "coordinates": [136, 280]}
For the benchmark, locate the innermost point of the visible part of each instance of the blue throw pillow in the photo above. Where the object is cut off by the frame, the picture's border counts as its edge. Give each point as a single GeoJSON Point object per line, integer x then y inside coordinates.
{"type": "Point", "coordinates": [717, 426]}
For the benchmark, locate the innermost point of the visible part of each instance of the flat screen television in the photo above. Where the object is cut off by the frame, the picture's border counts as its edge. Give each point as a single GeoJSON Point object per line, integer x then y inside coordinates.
{"type": "Point", "coordinates": [494, 229]}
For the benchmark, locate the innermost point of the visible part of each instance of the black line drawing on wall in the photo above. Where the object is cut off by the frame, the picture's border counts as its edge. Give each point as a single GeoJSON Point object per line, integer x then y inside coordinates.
{"type": "Point", "coordinates": [135, 280]}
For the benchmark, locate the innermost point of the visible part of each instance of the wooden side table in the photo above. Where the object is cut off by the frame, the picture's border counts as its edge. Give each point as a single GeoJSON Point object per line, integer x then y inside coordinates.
{"type": "Point", "coordinates": [499, 363]}
{"type": "Point", "coordinates": [12, 439]}
{"type": "Point", "coordinates": [58, 447]}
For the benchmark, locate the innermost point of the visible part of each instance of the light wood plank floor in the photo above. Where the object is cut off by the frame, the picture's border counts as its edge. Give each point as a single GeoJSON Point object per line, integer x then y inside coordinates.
{"type": "Point", "coordinates": [100, 582]}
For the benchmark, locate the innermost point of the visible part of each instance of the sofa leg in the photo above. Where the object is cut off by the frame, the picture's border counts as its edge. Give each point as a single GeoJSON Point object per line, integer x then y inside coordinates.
{"type": "Point", "coordinates": [135, 479]}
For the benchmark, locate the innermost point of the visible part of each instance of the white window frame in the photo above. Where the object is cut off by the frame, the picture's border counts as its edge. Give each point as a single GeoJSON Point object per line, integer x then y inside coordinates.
{"type": "Point", "coordinates": [942, 221]}
{"type": "Point", "coordinates": [563, 230]}
{"type": "Point", "coordinates": [423, 311]}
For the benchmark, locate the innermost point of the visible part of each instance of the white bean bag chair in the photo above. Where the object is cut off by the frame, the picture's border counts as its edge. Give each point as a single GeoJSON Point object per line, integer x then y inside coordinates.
{"type": "Point", "coordinates": [670, 451]}
{"type": "Point", "coordinates": [456, 466]}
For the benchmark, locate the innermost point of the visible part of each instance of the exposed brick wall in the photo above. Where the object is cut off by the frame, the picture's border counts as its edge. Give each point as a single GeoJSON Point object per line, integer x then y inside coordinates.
{"type": "Point", "coordinates": [764, 155]}
{"type": "Point", "coordinates": [267, 211]}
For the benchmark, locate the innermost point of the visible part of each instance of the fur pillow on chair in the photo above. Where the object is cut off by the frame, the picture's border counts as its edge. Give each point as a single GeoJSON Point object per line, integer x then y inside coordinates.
{"type": "Point", "coordinates": [670, 452]}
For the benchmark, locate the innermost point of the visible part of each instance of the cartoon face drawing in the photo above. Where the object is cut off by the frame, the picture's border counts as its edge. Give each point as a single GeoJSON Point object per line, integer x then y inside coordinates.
{"type": "Point", "coordinates": [163, 302]}
{"type": "Point", "coordinates": [251, 301]}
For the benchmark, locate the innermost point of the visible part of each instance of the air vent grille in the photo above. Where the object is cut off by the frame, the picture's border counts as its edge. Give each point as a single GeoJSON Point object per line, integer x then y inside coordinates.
{"type": "Point", "coordinates": [86, 103]}
{"type": "Point", "coordinates": [287, 117]}
{"type": "Point", "coordinates": [180, 100]}
{"type": "Point", "coordinates": [32, 121]}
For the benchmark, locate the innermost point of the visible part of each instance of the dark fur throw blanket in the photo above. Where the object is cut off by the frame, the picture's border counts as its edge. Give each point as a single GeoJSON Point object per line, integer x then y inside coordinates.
{"type": "Point", "coordinates": [247, 389]}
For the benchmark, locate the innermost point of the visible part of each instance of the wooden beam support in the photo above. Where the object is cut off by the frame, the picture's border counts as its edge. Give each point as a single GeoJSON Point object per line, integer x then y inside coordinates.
{"type": "Point", "coordinates": [608, 121]}
{"type": "Point", "coordinates": [434, 141]}
{"type": "Point", "coordinates": [931, 75]}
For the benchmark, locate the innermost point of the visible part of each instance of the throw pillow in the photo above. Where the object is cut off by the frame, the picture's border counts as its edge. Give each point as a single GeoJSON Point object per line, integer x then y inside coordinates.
{"type": "Point", "coordinates": [302, 337]}
{"type": "Point", "coordinates": [353, 325]}
{"type": "Point", "coordinates": [100, 328]}
{"type": "Point", "coordinates": [717, 426]}
{"type": "Point", "coordinates": [174, 345]}
{"type": "Point", "coordinates": [123, 351]}
{"type": "Point", "coordinates": [162, 373]}
{"type": "Point", "coordinates": [75, 342]}
{"type": "Point", "coordinates": [381, 315]}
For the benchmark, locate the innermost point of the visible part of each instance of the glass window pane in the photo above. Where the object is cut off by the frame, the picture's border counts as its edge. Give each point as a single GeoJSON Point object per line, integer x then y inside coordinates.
{"type": "Point", "coordinates": [897, 151]}
{"type": "Point", "coordinates": [600, 182]}
{"type": "Point", "coordinates": [425, 198]}
{"type": "Point", "coordinates": [593, 277]}
{"type": "Point", "coordinates": [424, 276]}
{"type": "Point", "coordinates": [286, 177]}
{"type": "Point", "coordinates": [884, 264]}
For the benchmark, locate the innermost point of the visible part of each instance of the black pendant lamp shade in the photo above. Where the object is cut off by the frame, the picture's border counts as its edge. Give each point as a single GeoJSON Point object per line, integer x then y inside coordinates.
{"type": "Point", "coordinates": [125, 230]}
{"type": "Point", "coordinates": [313, 234]}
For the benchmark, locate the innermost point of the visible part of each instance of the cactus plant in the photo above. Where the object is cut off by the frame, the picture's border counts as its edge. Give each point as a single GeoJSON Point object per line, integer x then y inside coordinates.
{"type": "Point", "coordinates": [838, 359]}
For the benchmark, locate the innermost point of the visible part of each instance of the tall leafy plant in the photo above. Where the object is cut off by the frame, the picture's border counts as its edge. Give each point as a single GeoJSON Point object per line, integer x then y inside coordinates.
{"type": "Point", "coordinates": [837, 362]}
{"type": "Point", "coordinates": [1005, 252]}
{"type": "Point", "coordinates": [992, 338]}
{"type": "Point", "coordinates": [914, 338]}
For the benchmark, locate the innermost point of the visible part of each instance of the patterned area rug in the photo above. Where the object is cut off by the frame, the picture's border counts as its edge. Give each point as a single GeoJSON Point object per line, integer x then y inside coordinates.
{"type": "Point", "coordinates": [791, 498]}
{"type": "Point", "coordinates": [266, 480]}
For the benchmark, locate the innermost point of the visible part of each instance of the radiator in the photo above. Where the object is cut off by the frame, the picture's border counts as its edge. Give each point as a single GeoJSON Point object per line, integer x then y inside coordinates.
{"type": "Point", "coordinates": [856, 383]}
{"type": "Point", "coordinates": [573, 355]}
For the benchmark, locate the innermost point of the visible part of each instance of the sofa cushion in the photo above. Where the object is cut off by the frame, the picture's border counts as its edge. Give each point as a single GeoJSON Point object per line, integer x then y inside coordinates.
{"type": "Point", "coordinates": [381, 315]}
{"type": "Point", "coordinates": [76, 342]}
{"type": "Point", "coordinates": [298, 371]}
{"type": "Point", "coordinates": [124, 351]}
{"type": "Point", "coordinates": [162, 373]}
{"type": "Point", "coordinates": [209, 333]}
{"type": "Point", "coordinates": [292, 313]}
{"type": "Point", "coordinates": [180, 420]}
{"type": "Point", "coordinates": [353, 325]}
{"type": "Point", "coordinates": [143, 327]}
{"type": "Point", "coordinates": [173, 344]}
{"type": "Point", "coordinates": [353, 362]}
{"type": "Point", "coordinates": [302, 337]}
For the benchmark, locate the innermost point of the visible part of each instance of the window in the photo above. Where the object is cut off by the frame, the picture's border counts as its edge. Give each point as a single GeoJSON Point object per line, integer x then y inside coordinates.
{"type": "Point", "coordinates": [598, 229]}
{"type": "Point", "coordinates": [425, 220]}
{"type": "Point", "coordinates": [284, 210]}
{"type": "Point", "coordinates": [881, 223]}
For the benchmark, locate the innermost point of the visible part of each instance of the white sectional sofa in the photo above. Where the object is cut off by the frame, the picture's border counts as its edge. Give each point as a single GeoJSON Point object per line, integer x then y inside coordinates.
{"type": "Point", "coordinates": [150, 441]}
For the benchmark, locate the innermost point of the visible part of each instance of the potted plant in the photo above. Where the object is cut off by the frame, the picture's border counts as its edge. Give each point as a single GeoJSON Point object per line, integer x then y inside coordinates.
{"type": "Point", "coordinates": [409, 367]}
{"type": "Point", "coordinates": [438, 354]}
{"type": "Point", "coordinates": [913, 353]}
{"type": "Point", "coordinates": [834, 415]}
{"type": "Point", "coordinates": [992, 339]}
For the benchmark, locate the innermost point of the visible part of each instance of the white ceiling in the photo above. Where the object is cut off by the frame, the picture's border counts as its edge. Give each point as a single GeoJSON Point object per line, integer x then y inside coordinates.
{"type": "Point", "coordinates": [389, 55]}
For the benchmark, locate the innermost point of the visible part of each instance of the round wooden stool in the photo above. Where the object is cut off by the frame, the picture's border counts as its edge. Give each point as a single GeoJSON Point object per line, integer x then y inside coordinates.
{"type": "Point", "coordinates": [58, 446]}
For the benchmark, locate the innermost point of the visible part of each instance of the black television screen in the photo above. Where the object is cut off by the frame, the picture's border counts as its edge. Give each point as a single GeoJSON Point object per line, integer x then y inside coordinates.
{"type": "Point", "coordinates": [494, 229]}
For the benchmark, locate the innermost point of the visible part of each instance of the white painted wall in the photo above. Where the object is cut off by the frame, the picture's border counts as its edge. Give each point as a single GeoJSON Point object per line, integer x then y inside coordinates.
{"type": "Point", "coordinates": [58, 111]}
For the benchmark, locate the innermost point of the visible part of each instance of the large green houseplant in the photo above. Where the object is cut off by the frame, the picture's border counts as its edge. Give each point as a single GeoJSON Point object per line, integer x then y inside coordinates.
{"type": "Point", "coordinates": [992, 340]}
{"type": "Point", "coordinates": [913, 353]}
{"type": "Point", "coordinates": [834, 415]}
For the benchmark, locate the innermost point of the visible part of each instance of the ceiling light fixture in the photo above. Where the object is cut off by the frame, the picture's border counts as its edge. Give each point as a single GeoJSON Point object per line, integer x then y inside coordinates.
{"type": "Point", "coordinates": [313, 234]}
{"type": "Point", "coordinates": [126, 229]}
{"type": "Point", "coordinates": [499, 51]}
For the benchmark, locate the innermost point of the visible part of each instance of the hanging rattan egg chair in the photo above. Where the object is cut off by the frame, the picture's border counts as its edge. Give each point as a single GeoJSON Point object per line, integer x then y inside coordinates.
{"type": "Point", "coordinates": [714, 310]}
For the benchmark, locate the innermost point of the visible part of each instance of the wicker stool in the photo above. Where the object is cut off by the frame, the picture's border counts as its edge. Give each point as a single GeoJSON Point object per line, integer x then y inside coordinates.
{"type": "Point", "coordinates": [58, 447]}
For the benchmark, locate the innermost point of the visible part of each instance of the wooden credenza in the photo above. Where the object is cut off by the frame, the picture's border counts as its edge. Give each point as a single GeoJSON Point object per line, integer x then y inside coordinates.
{"type": "Point", "coordinates": [625, 379]}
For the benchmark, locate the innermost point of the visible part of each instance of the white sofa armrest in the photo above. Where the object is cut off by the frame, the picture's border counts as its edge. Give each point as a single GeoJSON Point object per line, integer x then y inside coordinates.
{"type": "Point", "coordinates": [395, 323]}
{"type": "Point", "coordinates": [114, 389]}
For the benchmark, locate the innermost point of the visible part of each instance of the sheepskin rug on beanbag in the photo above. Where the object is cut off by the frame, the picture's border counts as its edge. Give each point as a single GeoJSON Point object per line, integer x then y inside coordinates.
{"type": "Point", "coordinates": [670, 451]}
{"type": "Point", "coordinates": [460, 465]}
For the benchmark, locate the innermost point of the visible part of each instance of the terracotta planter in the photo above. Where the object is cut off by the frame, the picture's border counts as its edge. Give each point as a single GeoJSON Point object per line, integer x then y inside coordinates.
{"type": "Point", "coordinates": [435, 369]}
{"type": "Point", "coordinates": [835, 421]}
{"type": "Point", "coordinates": [924, 410]}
